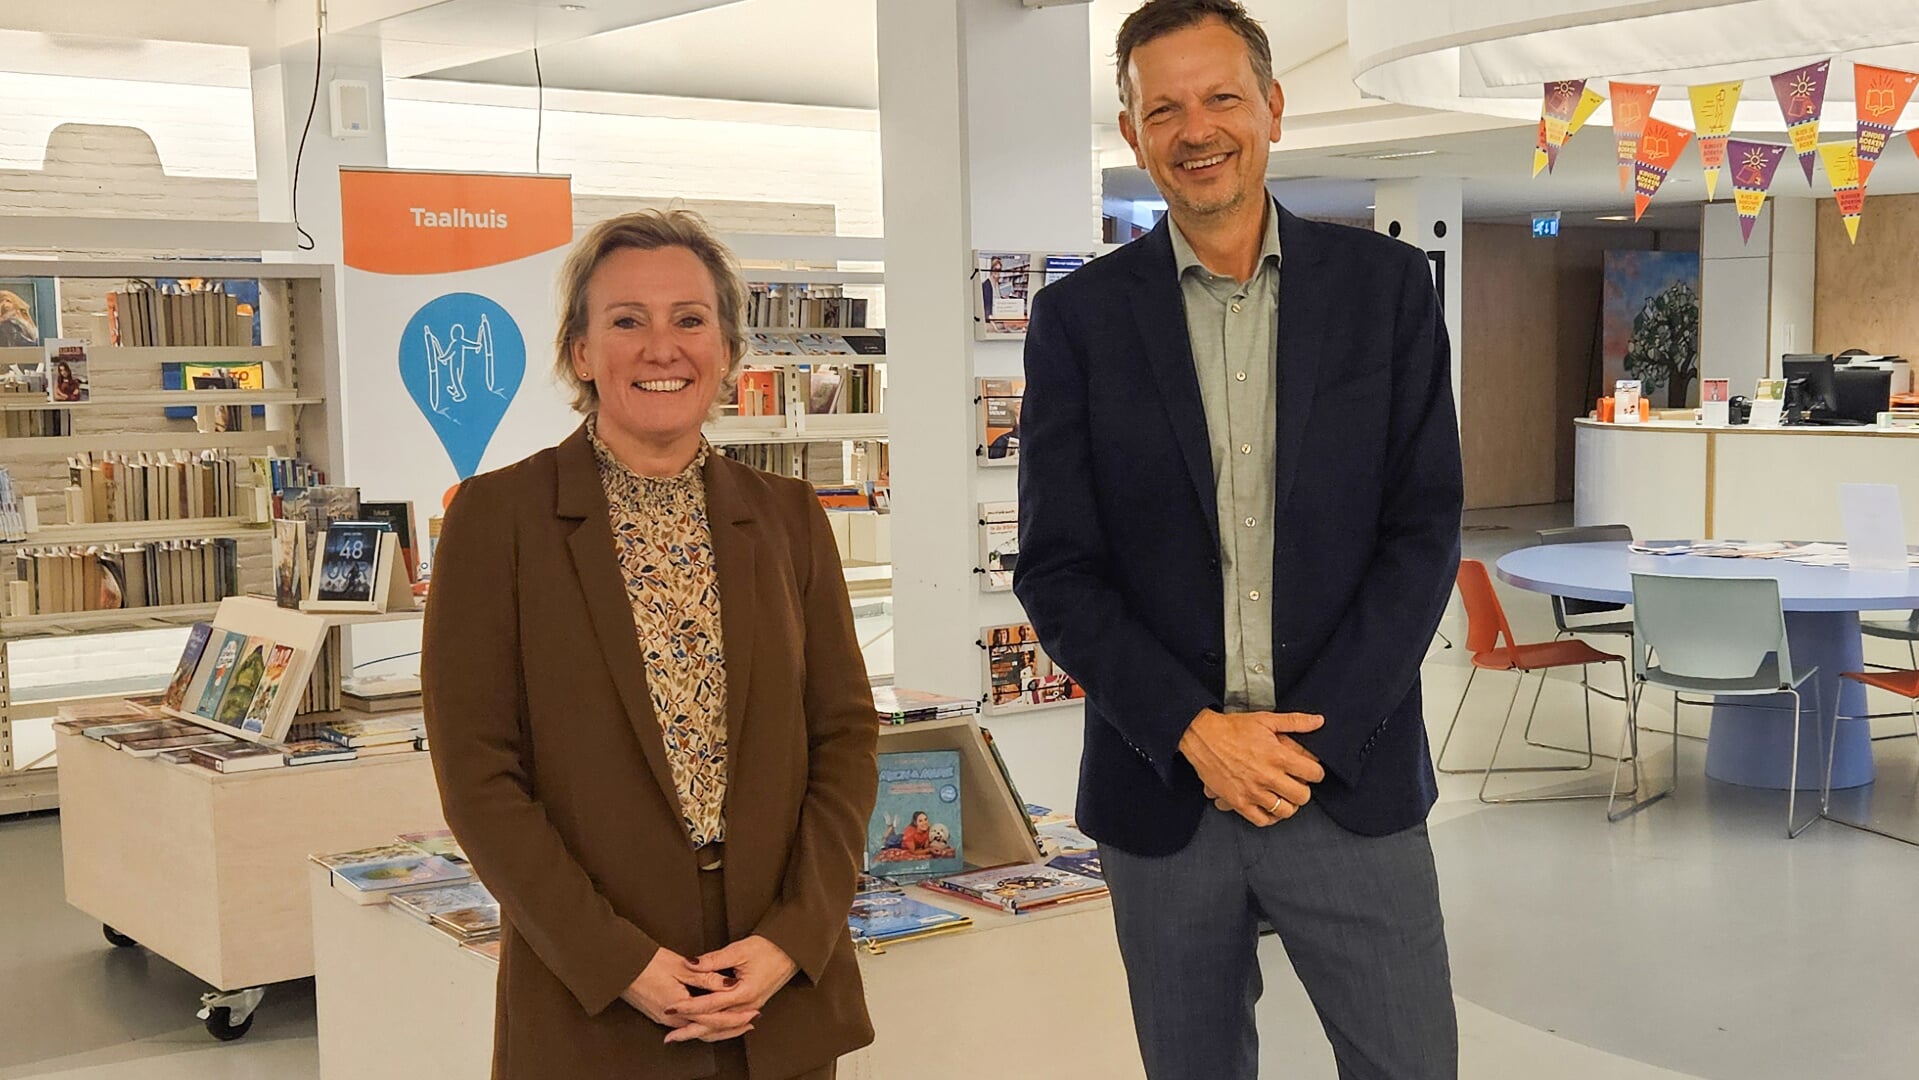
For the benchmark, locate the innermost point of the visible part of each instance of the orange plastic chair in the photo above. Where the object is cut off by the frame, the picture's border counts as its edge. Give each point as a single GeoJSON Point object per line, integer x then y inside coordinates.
{"type": "Point", "coordinates": [1906, 685]}
{"type": "Point", "coordinates": [1486, 629]}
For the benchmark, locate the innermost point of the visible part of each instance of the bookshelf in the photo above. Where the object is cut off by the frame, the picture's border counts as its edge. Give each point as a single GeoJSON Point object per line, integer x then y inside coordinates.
{"type": "Point", "coordinates": [300, 375]}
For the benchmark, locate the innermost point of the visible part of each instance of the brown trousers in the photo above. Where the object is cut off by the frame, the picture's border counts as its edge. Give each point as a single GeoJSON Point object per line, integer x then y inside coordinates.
{"type": "Point", "coordinates": [731, 1054]}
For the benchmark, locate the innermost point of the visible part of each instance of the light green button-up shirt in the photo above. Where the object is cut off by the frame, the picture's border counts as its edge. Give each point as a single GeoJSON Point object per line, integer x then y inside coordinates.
{"type": "Point", "coordinates": [1234, 327]}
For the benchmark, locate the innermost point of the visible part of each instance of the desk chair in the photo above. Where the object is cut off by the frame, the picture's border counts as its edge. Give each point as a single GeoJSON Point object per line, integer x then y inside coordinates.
{"type": "Point", "coordinates": [1906, 630]}
{"type": "Point", "coordinates": [1486, 626]}
{"type": "Point", "coordinates": [1906, 685]}
{"type": "Point", "coordinates": [1719, 636]}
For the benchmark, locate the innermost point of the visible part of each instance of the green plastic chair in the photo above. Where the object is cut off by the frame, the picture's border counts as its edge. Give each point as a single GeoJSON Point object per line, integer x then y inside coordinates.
{"type": "Point", "coordinates": [1720, 636]}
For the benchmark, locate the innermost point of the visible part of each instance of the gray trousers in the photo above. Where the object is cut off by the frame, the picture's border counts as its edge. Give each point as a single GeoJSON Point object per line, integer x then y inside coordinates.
{"type": "Point", "coordinates": [1359, 917]}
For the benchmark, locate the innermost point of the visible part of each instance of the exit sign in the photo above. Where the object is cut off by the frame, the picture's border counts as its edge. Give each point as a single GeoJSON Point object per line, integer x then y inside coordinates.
{"type": "Point", "coordinates": [1546, 226]}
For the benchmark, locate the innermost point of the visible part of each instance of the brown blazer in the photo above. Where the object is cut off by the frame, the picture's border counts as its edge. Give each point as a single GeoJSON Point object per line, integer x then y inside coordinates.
{"type": "Point", "coordinates": [554, 775]}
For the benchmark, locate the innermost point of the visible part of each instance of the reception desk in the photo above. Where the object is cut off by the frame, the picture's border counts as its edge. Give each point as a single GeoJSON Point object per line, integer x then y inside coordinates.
{"type": "Point", "coordinates": [1682, 481]}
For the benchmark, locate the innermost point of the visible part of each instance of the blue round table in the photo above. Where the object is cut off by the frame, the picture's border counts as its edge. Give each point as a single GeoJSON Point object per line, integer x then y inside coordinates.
{"type": "Point", "coordinates": [1751, 738]}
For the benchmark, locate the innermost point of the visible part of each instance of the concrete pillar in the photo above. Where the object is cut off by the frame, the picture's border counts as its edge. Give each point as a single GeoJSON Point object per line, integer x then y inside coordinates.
{"type": "Point", "coordinates": [1430, 215]}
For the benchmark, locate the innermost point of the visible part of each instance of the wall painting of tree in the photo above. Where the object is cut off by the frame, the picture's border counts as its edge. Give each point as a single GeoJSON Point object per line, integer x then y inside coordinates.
{"type": "Point", "coordinates": [1650, 324]}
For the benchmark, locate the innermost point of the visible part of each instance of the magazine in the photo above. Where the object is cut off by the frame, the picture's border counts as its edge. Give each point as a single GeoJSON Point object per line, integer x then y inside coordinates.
{"type": "Point", "coordinates": [426, 903]}
{"type": "Point", "coordinates": [915, 827]}
{"type": "Point", "coordinates": [1000, 401]}
{"type": "Point", "coordinates": [371, 883]}
{"type": "Point", "coordinates": [1019, 674]}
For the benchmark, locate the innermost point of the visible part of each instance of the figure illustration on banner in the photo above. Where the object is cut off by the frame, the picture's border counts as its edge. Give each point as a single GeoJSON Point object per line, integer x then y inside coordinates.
{"type": "Point", "coordinates": [447, 363]}
{"type": "Point", "coordinates": [450, 342]}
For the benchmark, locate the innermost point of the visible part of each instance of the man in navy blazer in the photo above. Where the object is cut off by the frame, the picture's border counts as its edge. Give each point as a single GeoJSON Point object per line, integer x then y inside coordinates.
{"type": "Point", "coordinates": [1240, 495]}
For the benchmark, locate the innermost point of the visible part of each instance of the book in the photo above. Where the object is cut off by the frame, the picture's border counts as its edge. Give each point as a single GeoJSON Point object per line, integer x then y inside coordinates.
{"type": "Point", "coordinates": [66, 370]}
{"type": "Point", "coordinates": [289, 562]}
{"type": "Point", "coordinates": [437, 842]}
{"type": "Point", "coordinates": [217, 662]}
{"type": "Point", "coordinates": [382, 694]}
{"type": "Point", "coordinates": [349, 561]}
{"type": "Point", "coordinates": [479, 920]}
{"type": "Point", "coordinates": [882, 918]}
{"type": "Point", "coordinates": [372, 883]}
{"type": "Point", "coordinates": [489, 948]}
{"type": "Point", "coordinates": [238, 758]}
{"type": "Point", "coordinates": [999, 545]}
{"type": "Point", "coordinates": [197, 639]}
{"type": "Point", "coordinates": [316, 752]}
{"type": "Point", "coordinates": [163, 728]}
{"type": "Point", "coordinates": [134, 729]}
{"type": "Point", "coordinates": [1000, 401]}
{"type": "Point", "coordinates": [445, 899]}
{"type": "Point", "coordinates": [1018, 888]}
{"type": "Point", "coordinates": [1003, 282]}
{"type": "Point", "coordinates": [915, 829]}
{"type": "Point", "coordinates": [261, 710]}
{"type": "Point", "coordinates": [386, 730]}
{"type": "Point", "coordinates": [895, 705]}
{"type": "Point", "coordinates": [398, 518]}
{"type": "Point", "coordinates": [1084, 863]}
{"type": "Point", "coordinates": [184, 741]}
{"type": "Point", "coordinates": [379, 853]}
{"type": "Point", "coordinates": [244, 684]}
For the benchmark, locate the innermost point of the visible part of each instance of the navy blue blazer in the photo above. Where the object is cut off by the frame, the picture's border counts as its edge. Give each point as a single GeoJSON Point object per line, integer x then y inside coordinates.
{"type": "Point", "coordinates": [1119, 538]}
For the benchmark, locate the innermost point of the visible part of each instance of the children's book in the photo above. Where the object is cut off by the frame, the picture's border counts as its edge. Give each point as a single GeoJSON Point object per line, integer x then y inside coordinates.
{"type": "Point", "coordinates": [915, 827]}
{"type": "Point", "coordinates": [1020, 887]}
{"type": "Point", "coordinates": [879, 918]}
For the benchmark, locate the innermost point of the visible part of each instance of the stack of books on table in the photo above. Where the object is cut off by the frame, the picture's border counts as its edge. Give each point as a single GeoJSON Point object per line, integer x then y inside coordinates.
{"type": "Point", "coordinates": [1018, 888]}
{"type": "Point", "coordinates": [377, 874]}
{"type": "Point", "coordinates": [1063, 845]}
{"type": "Point", "coordinates": [898, 706]}
{"type": "Point", "coordinates": [371, 737]}
{"type": "Point", "coordinates": [884, 915]}
{"type": "Point", "coordinates": [381, 693]}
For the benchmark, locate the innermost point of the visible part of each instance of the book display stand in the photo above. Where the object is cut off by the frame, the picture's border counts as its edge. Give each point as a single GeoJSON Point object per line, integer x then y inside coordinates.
{"type": "Point", "coordinates": [396, 997]}
{"type": "Point", "coordinates": [206, 868]}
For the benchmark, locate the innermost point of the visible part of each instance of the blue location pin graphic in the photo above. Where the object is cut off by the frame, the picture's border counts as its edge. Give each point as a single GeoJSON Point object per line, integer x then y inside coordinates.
{"type": "Point", "coordinates": [462, 358]}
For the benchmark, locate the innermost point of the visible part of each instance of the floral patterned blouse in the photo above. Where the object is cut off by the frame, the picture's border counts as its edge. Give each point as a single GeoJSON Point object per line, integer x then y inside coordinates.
{"type": "Point", "coordinates": [665, 549]}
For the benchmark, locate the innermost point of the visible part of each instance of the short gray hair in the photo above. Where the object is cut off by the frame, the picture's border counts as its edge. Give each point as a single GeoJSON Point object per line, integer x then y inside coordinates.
{"type": "Point", "coordinates": [647, 230]}
{"type": "Point", "coordinates": [1157, 18]}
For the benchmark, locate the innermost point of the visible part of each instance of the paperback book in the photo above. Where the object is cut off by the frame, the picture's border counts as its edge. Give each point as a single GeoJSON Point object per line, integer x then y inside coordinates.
{"type": "Point", "coordinates": [1019, 674]}
{"type": "Point", "coordinates": [220, 658]}
{"type": "Point", "coordinates": [67, 381]}
{"type": "Point", "coordinates": [373, 882]}
{"type": "Point", "coordinates": [244, 684]}
{"type": "Point", "coordinates": [316, 752]}
{"type": "Point", "coordinates": [425, 904]}
{"type": "Point", "coordinates": [237, 758]}
{"type": "Point", "coordinates": [899, 706]}
{"type": "Point", "coordinates": [1000, 401]}
{"type": "Point", "coordinates": [381, 731]}
{"type": "Point", "coordinates": [189, 663]}
{"type": "Point", "coordinates": [278, 661]}
{"type": "Point", "coordinates": [915, 829]}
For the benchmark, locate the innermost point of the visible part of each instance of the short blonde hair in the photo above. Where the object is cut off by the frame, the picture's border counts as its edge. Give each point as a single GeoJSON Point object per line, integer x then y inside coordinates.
{"type": "Point", "coordinates": [647, 230]}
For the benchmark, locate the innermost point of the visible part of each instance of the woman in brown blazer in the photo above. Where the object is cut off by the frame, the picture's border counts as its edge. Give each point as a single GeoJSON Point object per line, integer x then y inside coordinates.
{"type": "Point", "coordinates": [651, 722]}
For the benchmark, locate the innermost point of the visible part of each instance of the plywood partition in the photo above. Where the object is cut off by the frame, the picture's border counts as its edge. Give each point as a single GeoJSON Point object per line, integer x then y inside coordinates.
{"type": "Point", "coordinates": [996, 830]}
{"type": "Point", "coordinates": [1863, 292]}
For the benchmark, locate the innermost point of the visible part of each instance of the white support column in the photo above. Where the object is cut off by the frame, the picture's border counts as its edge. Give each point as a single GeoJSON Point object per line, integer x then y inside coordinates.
{"type": "Point", "coordinates": [1430, 215]}
{"type": "Point", "coordinates": [1755, 298]}
{"type": "Point", "coordinates": [986, 139]}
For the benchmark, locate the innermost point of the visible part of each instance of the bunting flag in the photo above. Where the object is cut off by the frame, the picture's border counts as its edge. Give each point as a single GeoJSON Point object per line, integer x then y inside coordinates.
{"type": "Point", "coordinates": [1589, 103]}
{"type": "Point", "coordinates": [1802, 97]}
{"type": "Point", "coordinates": [1842, 168]}
{"type": "Point", "coordinates": [1712, 114]}
{"type": "Point", "coordinates": [1631, 108]}
{"type": "Point", "coordinates": [1659, 147]}
{"type": "Point", "coordinates": [1881, 95]}
{"type": "Point", "coordinates": [1913, 138]}
{"type": "Point", "coordinates": [1753, 166]}
{"type": "Point", "coordinates": [1562, 101]}
{"type": "Point", "coordinates": [1540, 158]}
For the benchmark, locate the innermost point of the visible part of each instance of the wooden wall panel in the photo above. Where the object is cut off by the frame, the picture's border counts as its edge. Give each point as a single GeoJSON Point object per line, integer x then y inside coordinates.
{"type": "Point", "coordinates": [1863, 293]}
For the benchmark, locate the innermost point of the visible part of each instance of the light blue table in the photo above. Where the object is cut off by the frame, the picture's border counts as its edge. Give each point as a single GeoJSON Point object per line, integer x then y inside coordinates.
{"type": "Point", "coordinates": [1751, 739]}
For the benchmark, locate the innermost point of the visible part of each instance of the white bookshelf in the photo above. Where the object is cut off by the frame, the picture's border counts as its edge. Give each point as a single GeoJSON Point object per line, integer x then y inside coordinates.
{"type": "Point", "coordinates": [300, 368]}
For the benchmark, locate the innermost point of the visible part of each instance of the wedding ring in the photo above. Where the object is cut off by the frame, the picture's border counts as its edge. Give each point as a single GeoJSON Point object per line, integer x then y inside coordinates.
{"type": "Point", "coordinates": [1274, 809]}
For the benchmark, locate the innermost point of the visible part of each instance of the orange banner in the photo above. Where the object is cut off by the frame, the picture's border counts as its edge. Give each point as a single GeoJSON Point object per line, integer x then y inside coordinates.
{"type": "Point", "coordinates": [1882, 95]}
{"type": "Point", "coordinates": [396, 222]}
{"type": "Point", "coordinates": [1659, 148]}
{"type": "Point", "coordinates": [1631, 108]}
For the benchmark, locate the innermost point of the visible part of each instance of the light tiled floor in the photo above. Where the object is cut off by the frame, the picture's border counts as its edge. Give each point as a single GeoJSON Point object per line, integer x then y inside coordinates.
{"type": "Point", "coordinates": [1692, 941]}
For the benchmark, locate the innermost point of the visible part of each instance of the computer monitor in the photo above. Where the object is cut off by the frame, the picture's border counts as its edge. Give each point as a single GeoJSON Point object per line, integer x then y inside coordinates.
{"type": "Point", "coordinates": [1809, 390]}
{"type": "Point", "coordinates": [1861, 394]}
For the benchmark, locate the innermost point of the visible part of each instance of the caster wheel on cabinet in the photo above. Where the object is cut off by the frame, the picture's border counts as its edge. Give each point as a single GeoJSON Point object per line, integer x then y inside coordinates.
{"type": "Point", "coordinates": [221, 1027]}
{"type": "Point", "coordinates": [118, 940]}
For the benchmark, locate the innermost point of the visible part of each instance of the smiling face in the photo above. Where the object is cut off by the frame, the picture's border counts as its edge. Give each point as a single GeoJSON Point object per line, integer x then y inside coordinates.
{"type": "Point", "coordinates": [653, 348]}
{"type": "Point", "coordinates": [1200, 123]}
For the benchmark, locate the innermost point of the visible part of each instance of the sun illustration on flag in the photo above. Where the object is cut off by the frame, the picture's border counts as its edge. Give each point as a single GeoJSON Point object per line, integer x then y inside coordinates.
{"type": "Point", "coordinates": [1563, 91]}
{"type": "Point", "coordinates": [1802, 86]}
{"type": "Point", "coordinates": [1755, 159]}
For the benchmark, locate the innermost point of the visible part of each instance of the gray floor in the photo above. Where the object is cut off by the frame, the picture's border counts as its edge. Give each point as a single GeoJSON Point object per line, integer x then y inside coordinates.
{"type": "Point", "coordinates": [1691, 941]}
